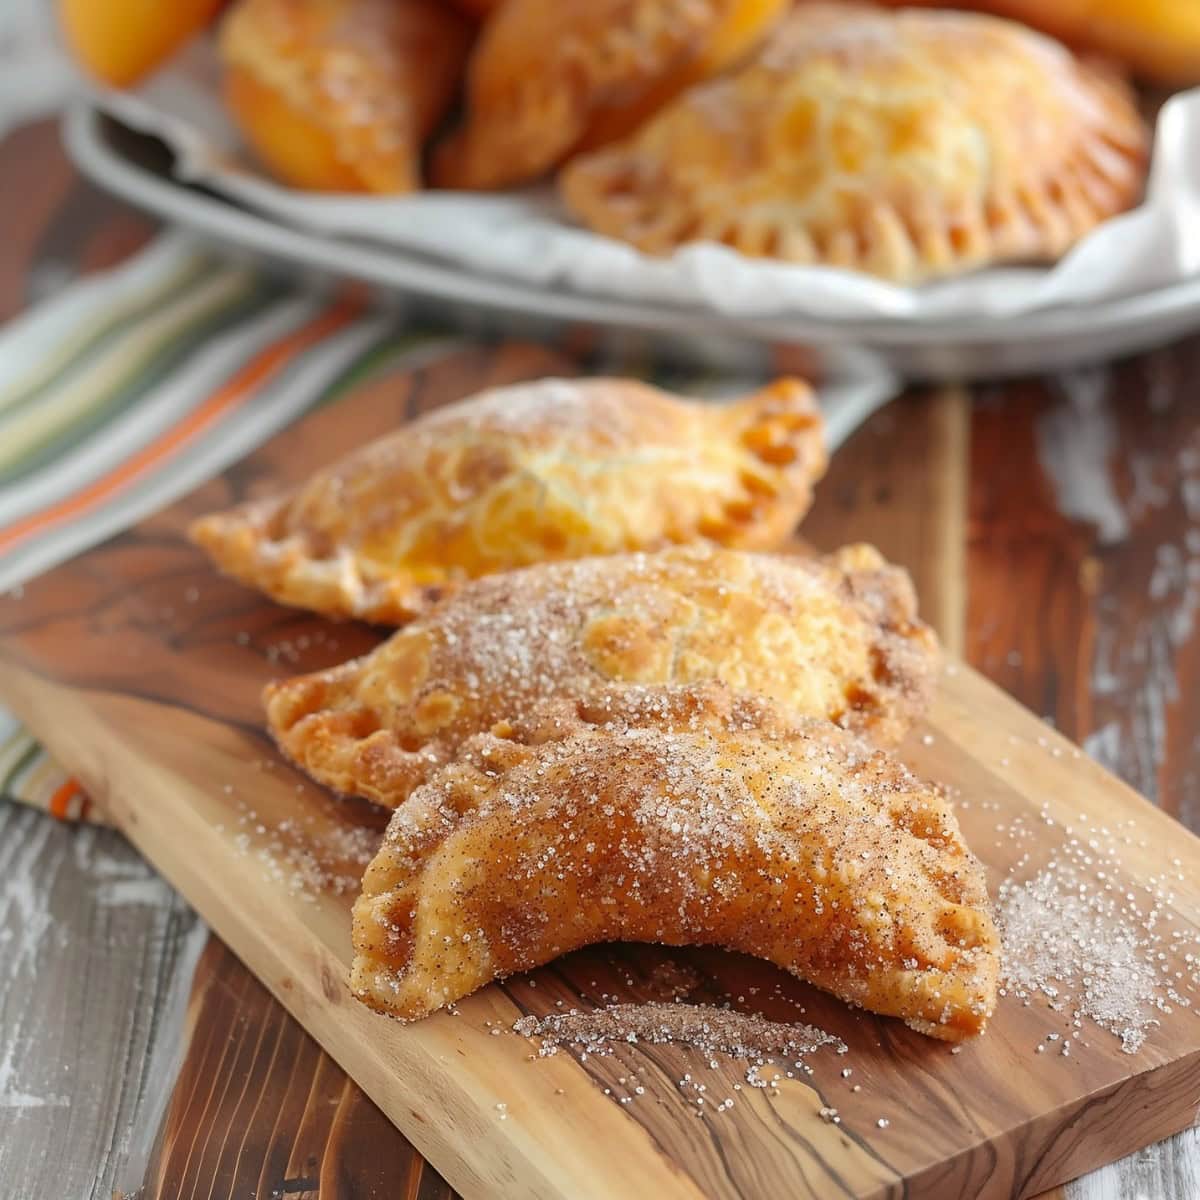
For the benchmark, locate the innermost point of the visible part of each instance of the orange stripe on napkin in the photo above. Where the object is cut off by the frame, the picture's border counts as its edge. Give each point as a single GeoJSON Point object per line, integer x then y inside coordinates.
{"type": "Point", "coordinates": [60, 802]}
{"type": "Point", "coordinates": [240, 386]}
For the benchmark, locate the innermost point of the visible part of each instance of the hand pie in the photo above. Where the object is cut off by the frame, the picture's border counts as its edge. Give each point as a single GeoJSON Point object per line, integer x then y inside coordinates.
{"type": "Point", "coordinates": [1159, 39]}
{"type": "Point", "coordinates": [718, 826]}
{"type": "Point", "coordinates": [120, 42]}
{"type": "Point", "coordinates": [339, 95]}
{"type": "Point", "coordinates": [548, 77]}
{"type": "Point", "coordinates": [548, 470]}
{"type": "Point", "coordinates": [908, 145]}
{"type": "Point", "coordinates": [837, 638]}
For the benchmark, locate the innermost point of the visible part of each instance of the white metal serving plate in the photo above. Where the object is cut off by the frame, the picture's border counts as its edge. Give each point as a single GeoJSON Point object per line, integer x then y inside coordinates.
{"type": "Point", "coordinates": [137, 168]}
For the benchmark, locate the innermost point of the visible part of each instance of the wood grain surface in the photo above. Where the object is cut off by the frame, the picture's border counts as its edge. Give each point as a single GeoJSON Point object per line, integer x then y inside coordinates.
{"type": "Point", "coordinates": [96, 953]}
{"type": "Point", "coordinates": [1063, 519]}
{"type": "Point", "coordinates": [259, 1109]}
{"type": "Point", "coordinates": [1084, 568]}
{"type": "Point", "coordinates": [141, 669]}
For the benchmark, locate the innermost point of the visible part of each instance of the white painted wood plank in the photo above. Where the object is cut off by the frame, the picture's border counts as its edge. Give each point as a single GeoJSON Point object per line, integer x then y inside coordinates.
{"type": "Point", "coordinates": [96, 956]}
{"type": "Point", "coordinates": [1169, 1170]}
{"type": "Point", "coordinates": [1079, 446]}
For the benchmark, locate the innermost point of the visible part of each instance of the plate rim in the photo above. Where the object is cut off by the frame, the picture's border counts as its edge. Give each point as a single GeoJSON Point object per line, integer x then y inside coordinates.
{"type": "Point", "coordinates": [216, 216]}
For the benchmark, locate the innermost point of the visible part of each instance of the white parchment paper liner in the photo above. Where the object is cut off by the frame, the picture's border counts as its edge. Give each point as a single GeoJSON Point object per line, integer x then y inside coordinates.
{"type": "Point", "coordinates": [526, 236]}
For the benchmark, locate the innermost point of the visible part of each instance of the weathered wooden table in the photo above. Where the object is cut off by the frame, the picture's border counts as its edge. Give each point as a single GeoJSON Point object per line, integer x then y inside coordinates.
{"type": "Point", "coordinates": [1053, 526]}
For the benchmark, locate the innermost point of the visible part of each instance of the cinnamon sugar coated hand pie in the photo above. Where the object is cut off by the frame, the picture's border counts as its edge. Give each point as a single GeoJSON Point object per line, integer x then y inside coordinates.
{"type": "Point", "coordinates": [911, 145]}
{"type": "Point", "coordinates": [718, 824]}
{"type": "Point", "coordinates": [548, 77]}
{"type": "Point", "coordinates": [837, 638]}
{"type": "Point", "coordinates": [555, 469]}
{"type": "Point", "coordinates": [339, 95]}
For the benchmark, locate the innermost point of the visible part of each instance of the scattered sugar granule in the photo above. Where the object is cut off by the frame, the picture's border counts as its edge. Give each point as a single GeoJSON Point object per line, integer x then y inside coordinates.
{"type": "Point", "coordinates": [1072, 941]}
{"type": "Point", "coordinates": [702, 1026]}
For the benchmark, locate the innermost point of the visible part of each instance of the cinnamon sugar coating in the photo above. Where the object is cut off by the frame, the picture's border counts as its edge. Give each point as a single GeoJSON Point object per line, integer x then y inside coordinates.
{"type": "Point", "coordinates": [712, 820]}
{"type": "Point", "coordinates": [548, 470]}
{"type": "Point", "coordinates": [835, 637]}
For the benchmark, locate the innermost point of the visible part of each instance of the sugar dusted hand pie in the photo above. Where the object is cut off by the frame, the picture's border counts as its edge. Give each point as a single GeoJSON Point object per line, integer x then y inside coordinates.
{"type": "Point", "coordinates": [339, 95]}
{"type": "Point", "coordinates": [549, 76]}
{"type": "Point", "coordinates": [555, 469]}
{"type": "Point", "coordinates": [910, 145]}
{"type": "Point", "coordinates": [714, 823]}
{"type": "Point", "coordinates": [837, 638]}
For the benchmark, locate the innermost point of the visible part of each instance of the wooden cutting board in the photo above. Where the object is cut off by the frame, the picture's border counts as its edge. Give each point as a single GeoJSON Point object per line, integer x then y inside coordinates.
{"type": "Point", "coordinates": [141, 669]}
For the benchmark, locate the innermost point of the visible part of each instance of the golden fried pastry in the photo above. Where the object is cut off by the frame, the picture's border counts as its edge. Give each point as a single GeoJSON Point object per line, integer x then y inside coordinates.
{"type": "Point", "coordinates": [553, 469]}
{"type": "Point", "coordinates": [122, 41]}
{"type": "Point", "coordinates": [837, 638]}
{"type": "Point", "coordinates": [339, 95]}
{"type": "Point", "coordinates": [549, 77]}
{"type": "Point", "coordinates": [909, 145]}
{"type": "Point", "coordinates": [1159, 39]}
{"type": "Point", "coordinates": [718, 823]}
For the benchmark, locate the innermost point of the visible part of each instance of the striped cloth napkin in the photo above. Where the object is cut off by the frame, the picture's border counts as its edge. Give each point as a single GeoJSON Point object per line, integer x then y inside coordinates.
{"type": "Point", "coordinates": [133, 386]}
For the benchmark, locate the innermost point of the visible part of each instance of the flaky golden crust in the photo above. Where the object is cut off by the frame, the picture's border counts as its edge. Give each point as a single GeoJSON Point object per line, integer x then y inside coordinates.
{"type": "Point", "coordinates": [547, 76]}
{"type": "Point", "coordinates": [910, 145]}
{"type": "Point", "coordinates": [837, 638]}
{"type": "Point", "coordinates": [721, 825]}
{"type": "Point", "coordinates": [369, 77]}
{"type": "Point", "coordinates": [555, 469]}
